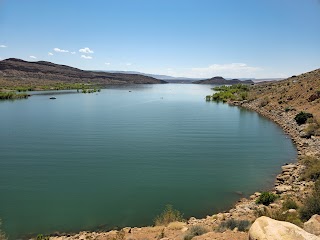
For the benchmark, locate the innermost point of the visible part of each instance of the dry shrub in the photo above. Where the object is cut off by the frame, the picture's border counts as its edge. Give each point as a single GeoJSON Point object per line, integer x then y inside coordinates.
{"type": "Point", "coordinates": [167, 216]}
{"type": "Point", "coordinates": [176, 225]}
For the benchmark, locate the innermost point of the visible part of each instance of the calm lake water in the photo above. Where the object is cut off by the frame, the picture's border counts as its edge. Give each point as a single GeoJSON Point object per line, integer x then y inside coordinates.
{"type": "Point", "coordinates": [116, 158]}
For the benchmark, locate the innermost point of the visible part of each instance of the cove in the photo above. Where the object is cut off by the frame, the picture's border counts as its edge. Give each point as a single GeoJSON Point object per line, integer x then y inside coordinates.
{"type": "Point", "coordinates": [116, 158]}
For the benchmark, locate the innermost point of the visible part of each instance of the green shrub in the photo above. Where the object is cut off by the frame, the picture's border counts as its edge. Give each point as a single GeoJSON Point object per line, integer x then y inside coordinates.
{"type": "Point", "coordinates": [223, 96]}
{"type": "Point", "coordinates": [167, 216]}
{"type": "Point", "coordinates": [289, 204]}
{"type": "Point", "coordinates": [312, 170]}
{"type": "Point", "coordinates": [244, 96]}
{"type": "Point", "coordinates": [311, 206]}
{"type": "Point", "coordinates": [313, 129]}
{"type": "Point", "coordinates": [266, 198]}
{"type": "Point", "coordinates": [317, 187]}
{"type": "Point", "coordinates": [196, 230]}
{"type": "Point", "coordinates": [41, 237]}
{"type": "Point", "coordinates": [12, 95]}
{"type": "Point", "coordinates": [302, 117]}
{"type": "Point", "coordinates": [242, 225]}
{"type": "Point", "coordinates": [234, 92]}
{"type": "Point", "coordinates": [312, 203]}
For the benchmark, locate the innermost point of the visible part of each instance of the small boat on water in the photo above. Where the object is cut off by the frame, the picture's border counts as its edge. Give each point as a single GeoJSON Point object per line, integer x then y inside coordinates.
{"type": "Point", "coordinates": [53, 98]}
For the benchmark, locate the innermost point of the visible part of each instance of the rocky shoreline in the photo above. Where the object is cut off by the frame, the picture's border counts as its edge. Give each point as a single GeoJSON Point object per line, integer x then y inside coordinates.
{"type": "Point", "coordinates": [287, 183]}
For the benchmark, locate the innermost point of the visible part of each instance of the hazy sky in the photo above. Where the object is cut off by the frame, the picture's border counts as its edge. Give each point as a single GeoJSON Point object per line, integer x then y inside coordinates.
{"type": "Point", "coordinates": [192, 38]}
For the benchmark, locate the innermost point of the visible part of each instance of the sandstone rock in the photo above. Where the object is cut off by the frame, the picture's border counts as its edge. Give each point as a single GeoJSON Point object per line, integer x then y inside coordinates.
{"type": "Point", "coordinates": [292, 211]}
{"type": "Point", "coordinates": [252, 197]}
{"type": "Point", "coordinates": [313, 225]}
{"type": "Point", "coordinates": [184, 229]}
{"type": "Point", "coordinates": [265, 228]}
{"type": "Point", "coordinates": [220, 216]}
{"type": "Point", "coordinates": [257, 194]}
{"type": "Point", "coordinates": [283, 188]}
{"type": "Point", "coordinates": [289, 167]}
{"type": "Point", "coordinates": [274, 205]}
{"type": "Point", "coordinates": [283, 177]}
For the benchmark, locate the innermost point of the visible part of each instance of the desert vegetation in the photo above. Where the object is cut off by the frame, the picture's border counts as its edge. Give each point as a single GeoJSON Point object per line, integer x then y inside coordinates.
{"type": "Point", "coordinates": [266, 198]}
{"type": "Point", "coordinates": [313, 127]}
{"type": "Point", "coordinates": [168, 215]}
{"type": "Point", "coordinates": [54, 86]}
{"type": "Point", "coordinates": [312, 168]}
{"type": "Point", "coordinates": [302, 117]}
{"type": "Point", "coordinates": [311, 205]}
{"type": "Point", "coordinates": [231, 224]}
{"type": "Point", "coordinates": [19, 92]}
{"type": "Point", "coordinates": [225, 93]}
{"type": "Point", "coordinates": [10, 95]}
{"type": "Point", "coordinates": [42, 237]}
{"type": "Point", "coordinates": [88, 90]}
{"type": "Point", "coordinates": [196, 230]}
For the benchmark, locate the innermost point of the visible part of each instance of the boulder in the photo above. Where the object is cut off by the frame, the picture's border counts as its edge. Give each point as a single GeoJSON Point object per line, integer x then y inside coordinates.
{"type": "Point", "coordinates": [313, 225]}
{"type": "Point", "coordinates": [288, 168]}
{"type": "Point", "coordinates": [283, 188]}
{"type": "Point", "coordinates": [265, 228]}
{"type": "Point", "coordinates": [292, 211]}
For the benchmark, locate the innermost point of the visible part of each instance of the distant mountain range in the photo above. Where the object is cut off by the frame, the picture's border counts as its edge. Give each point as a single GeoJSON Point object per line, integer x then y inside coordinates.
{"type": "Point", "coordinates": [171, 79]}
{"type": "Point", "coordinates": [160, 77]}
{"type": "Point", "coordinates": [16, 72]}
{"type": "Point", "coordinates": [19, 72]}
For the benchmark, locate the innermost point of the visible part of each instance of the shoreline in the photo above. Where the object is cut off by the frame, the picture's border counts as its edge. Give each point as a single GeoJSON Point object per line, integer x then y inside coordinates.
{"type": "Point", "coordinates": [287, 183]}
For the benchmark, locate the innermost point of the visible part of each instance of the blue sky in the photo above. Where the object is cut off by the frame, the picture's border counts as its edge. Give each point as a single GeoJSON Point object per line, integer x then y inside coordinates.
{"type": "Point", "coordinates": [192, 38]}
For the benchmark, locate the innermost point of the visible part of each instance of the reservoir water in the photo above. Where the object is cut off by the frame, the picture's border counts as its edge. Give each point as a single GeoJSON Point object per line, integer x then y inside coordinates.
{"type": "Point", "coordinates": [116, 158]}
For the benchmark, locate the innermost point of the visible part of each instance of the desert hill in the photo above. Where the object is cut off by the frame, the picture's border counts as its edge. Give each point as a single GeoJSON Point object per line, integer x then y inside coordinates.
{"type": "Point", "coordinates": [301, 93]}
{"type": "Point", "coordinates": [223, 81]}
{"type": "Point", "coordinates": [17, 72]}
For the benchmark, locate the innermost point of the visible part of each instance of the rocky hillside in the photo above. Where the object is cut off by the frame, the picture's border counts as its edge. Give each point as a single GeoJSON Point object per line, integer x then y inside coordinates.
{"type": "Point", "coordinates": [222, 81]}
{"type": "Point", "coordinates": [15, 72]}
{"type": "Point", "coordinates": [300, 93]}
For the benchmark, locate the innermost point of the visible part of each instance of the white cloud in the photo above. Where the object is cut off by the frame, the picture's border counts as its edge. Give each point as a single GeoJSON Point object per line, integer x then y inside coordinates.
{"type": "Point", "coordinates": [50, 54]}
{"type": "Point", "coordinates": [226, 70]}
{"type": "Point", "coordinates": [86, 50]}
{"type": "Point", "coordinates": [73, 52]}
{"type": "Point", "coordinates": [107, 63]}
{"type": "Point", "coordinates": [3, 46]}
{"type": "Point", "coordinates": [86, 57]}
{"type": "Point", "coordinates": [33, 57]}
{"type": "Point", "coordinates": [128, 64]}
{"type": "Point", "coordinates": [60, 50]}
